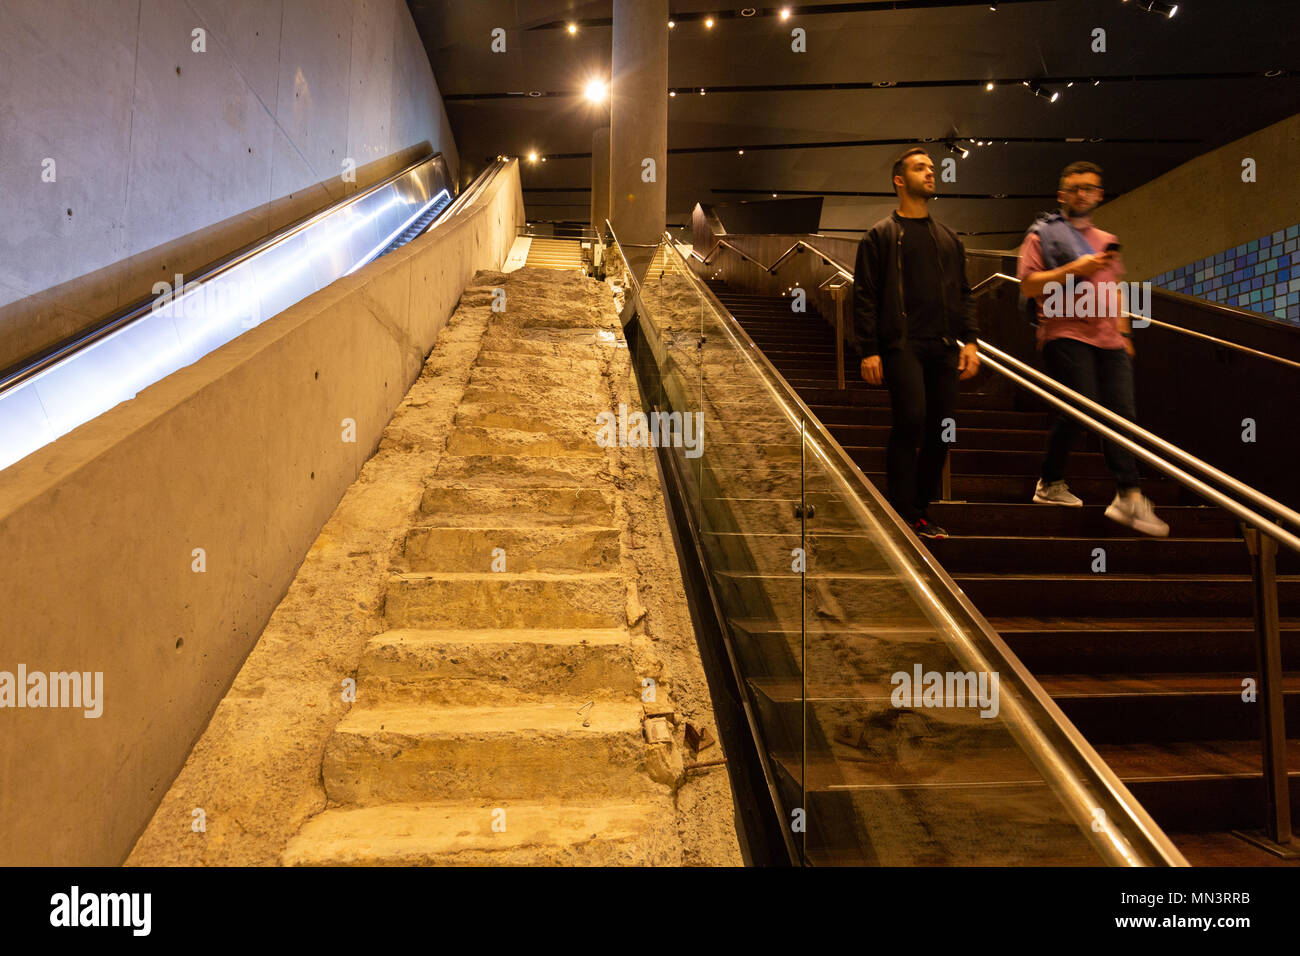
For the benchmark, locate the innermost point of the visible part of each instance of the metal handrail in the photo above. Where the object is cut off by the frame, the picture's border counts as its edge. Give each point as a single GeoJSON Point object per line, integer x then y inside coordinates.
{"type": "Point", "coordinates": [1189, 481]}
{"type": "Point", "coordinates": [829, 260]}
{"type": "Point", "coordinates": [1164, 325]}
{"type": "Point", "coordinates": [1280, 511]}
{"type": "Point", "coordinates": [76, 344]}
{"type": "Point", "coordinates": [842, 466]}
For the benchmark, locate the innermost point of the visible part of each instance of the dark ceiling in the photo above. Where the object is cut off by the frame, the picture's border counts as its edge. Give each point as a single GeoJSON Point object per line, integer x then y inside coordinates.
{"type": "Point", "coordinates": [876, 77]}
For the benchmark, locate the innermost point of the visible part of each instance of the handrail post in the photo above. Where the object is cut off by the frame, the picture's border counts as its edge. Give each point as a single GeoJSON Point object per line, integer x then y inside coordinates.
{"type": "Point", "coordinates": [840, 297]}
{"type": "Point", "coordinates": [1268, 647]}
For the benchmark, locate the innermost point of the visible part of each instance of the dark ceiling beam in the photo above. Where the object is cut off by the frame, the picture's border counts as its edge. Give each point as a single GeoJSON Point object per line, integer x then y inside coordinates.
{"type": "Point", "coordinates": [876, 85]}
{"type": "Point", "coordinates": [906, 141]}
{"type": "Point", "coordinates": [796, 10]}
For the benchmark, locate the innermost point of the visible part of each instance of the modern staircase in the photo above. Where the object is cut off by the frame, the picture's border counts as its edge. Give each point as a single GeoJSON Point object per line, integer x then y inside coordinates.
{"type": "Point", "coordinates": [555, 253]}
{"type": "Point", "coordinates": [1148, 657]}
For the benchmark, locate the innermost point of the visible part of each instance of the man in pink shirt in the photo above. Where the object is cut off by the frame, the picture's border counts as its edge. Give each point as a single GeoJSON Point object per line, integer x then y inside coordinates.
{"type": "Point", "coordinates": [1072, 270]}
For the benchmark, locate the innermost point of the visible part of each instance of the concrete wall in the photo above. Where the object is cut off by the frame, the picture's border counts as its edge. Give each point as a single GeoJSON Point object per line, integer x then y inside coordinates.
{"type": "Point", "coordinates": [166, 158]}
{"type": "Point", "coordinates": [242, 455]}
{"type": "Point", "coordinates": [1202, 207]}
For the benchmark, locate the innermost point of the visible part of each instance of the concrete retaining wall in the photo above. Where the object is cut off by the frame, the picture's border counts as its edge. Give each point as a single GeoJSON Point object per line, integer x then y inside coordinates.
{"type": "Point", "coordinates": [166, 158]}
{"type": "Point", "coordinates": [241, 455]}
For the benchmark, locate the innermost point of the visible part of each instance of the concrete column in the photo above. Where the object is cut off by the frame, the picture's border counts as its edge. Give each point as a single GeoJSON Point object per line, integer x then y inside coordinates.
{"type": "Point", "coordinates": [599, 178]}
{"type": "Point", "coordinates": [639, 119]}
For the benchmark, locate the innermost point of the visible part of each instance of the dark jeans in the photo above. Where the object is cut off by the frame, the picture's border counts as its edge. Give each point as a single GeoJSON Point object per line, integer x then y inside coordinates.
{"type": "Point", "coordinates": [1106, 377]}
{"type": "Point", "coordinates": [922, 382]}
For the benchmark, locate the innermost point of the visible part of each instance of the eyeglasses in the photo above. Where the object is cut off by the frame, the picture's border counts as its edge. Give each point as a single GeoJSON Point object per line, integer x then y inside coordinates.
{"type": "Point", "coordinates": [1087, 190]}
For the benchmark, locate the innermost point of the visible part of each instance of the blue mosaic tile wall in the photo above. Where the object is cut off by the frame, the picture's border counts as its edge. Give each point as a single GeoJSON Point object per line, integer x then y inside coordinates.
{"type": "Point", "coordinates": [1257, 276]}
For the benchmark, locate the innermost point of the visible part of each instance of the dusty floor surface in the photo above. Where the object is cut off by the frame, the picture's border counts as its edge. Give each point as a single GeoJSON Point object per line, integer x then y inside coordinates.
{"type": "Point", "coordinates": [288, 769]}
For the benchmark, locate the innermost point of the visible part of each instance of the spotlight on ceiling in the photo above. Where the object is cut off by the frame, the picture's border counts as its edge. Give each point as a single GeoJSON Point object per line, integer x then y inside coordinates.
{"type": "Point", "coordinates": [701, 91]}
{"type": "Point", "coordinates": [1037, 90]}
{"type": "Point", "coordinates": [741, 152]}
{"type": "Point", "coordinates": [954, 148]}
{"type": "Point", "coordinates": [672, 92]}
{"type": "Point", "coordinates": [989, 86]}
{"type": "Point", "coordinates": [671, 24]}
{"type": "Point", "coordinates": [573, 28]}
{"type": "Point", "coordinates": [596, 91]}
{"type": "Point", "coordinates": [1157, 6]}
{"type": "Point", "coordinates": [785, 13]}
{"type": "Point", "coordinates": [709, 22]}
{"type": "Point", "coordinates": [532, 156]}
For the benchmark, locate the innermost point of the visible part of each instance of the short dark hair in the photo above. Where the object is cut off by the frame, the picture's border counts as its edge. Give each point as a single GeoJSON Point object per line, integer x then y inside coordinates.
{"type": "Point", "coordinates": [1082, 166]}
{"type": "Point", "coordinates": [902, 160]}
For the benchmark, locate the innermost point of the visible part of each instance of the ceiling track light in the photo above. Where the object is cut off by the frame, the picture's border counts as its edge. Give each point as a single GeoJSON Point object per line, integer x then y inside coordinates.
{"type": "Point", "coordinates": [1159, 7]}
{"type": "Point", "coordinates": [954, 148]}
{"type": "Point", "coordinates": [1037, 90]}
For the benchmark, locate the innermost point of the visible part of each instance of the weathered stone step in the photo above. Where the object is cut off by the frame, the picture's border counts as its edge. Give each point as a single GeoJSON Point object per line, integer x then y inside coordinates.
{"type": "Point", "coordinates": [525, 419]}
{"type": "Point", "coordinates": [860, 599]}
{"type": "Point", "coordinates": [522, 471]}
{"type": "Point", "coordinates": [467, 507]}
{"type": "Point", "coordinates": [534, 396]}
{"type": "Point", "coordinates": [551, 363]}
{"type": "Point", "coordinates": [773, 553]}
{"type": "Point", "coordinates": [532, 834]}
{"type": "Point", "coordinates": [573, 381]}
{"type": "Point", "coordinates": [507, 599]}
{"type": "Point", "coordinates": [583, 343]}
{"type": "Point", "coordinates": [572, 548]}
{"type": "Point", "coordinates": [484, 665]}
{"type": "Point", "coordinates": [522, 752]}
{"type": "Point", "coordinates": [472, 440]}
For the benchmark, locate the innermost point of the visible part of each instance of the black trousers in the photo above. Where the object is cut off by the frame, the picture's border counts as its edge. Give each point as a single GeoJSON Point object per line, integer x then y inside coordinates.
{"type": "Point", "coordinates": [1106, 377]}
{"type": "Point", "coordinates": [922, 382]}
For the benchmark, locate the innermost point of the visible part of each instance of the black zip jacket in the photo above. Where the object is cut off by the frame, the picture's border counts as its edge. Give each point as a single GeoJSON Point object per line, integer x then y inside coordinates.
{"type": "Point", "coordinates": [879, 316]}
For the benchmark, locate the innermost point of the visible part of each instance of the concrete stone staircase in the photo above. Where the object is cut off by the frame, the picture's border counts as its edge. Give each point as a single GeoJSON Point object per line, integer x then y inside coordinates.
{"type": "Point", "coordinates": [499, 719]}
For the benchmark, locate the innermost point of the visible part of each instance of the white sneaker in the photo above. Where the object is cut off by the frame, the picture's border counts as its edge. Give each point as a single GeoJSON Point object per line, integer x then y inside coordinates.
{"type": "Point", "coordinates": [1135, 511]}
{"type": "Point", "coordinates": [1057, 493]}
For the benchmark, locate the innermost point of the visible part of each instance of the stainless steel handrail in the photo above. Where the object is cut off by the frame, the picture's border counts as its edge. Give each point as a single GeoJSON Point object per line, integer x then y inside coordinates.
{"type": "Point", "coordinates": [1188, 480]}
{"type": "Point", "coordinates": [843, 467]}
{"type": "Point", "coordinates": [724, 243]}
{"type": "Point", "coordinates": [1224, 343]}
{"type": "Point", "coordinates": [76, 344]}
{"type": "Point", "coordinates": [468, 194]}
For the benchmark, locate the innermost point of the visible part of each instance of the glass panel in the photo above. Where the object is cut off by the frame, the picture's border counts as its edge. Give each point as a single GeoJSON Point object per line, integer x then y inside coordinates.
{"type": "Point", "coordinates": [896, 727]}
{"type": "Point", "coordinates": [745, 490]}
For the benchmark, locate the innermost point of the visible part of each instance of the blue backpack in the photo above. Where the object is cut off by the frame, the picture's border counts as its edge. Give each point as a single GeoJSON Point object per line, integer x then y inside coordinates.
{"type": "Point", "coordinates": [1060, 243]}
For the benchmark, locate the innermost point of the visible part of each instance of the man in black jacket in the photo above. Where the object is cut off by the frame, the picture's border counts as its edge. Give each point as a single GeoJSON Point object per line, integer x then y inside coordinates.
{"type": "Point", "coordinates": [911, 303]}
